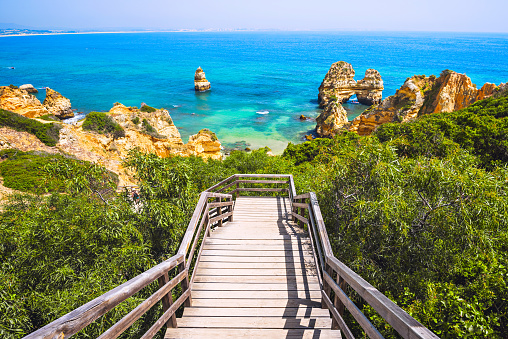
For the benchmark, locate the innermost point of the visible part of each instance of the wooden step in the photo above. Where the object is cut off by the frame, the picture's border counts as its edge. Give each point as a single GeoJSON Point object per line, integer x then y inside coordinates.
{"type": "Point", "coordinates": [251, 272]}
{"type": "Point", "coordinates": [251, 333]}
{"type": "Point", "coordinates": [281, 312]}
{"type": "Point", "coordinates": [256, 303]}
{"type": "Point", "coordinates": [289, 259]}
{"type": "Point", "coordinates": [254, 322]}
{"type": "Point", "coordinates": [257, 295]}
{"type": "Point", "coordinates": [262, 279]}
{"type": "Point", "coordinates": [289, 286]}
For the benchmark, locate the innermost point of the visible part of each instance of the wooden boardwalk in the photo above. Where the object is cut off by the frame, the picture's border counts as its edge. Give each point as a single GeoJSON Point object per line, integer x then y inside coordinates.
{"type": "Point", "coordinates": [256, 279]}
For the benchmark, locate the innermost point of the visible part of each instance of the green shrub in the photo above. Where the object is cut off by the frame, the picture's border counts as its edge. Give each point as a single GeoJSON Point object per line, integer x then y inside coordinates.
{"type": "Point", "coordinates": [150, 130]}
{"type": "Point", "coordinates": [102, 123]}
{"type": "Point", "coordinates": [40, 172]}
{"type": "Point", "coordinates": [212, 135]}
{"type": "Point", "coordinates": [49, 134]}
{"type": "Point", "coordinates": [148, 109]}
{"type": "Point", "coordinates": [135, 120]}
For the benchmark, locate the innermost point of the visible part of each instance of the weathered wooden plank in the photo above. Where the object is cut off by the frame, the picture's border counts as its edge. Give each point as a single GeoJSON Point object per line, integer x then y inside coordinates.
{"type": "Point", "coordinates": [124, 323]}
{"type": "Point", "coordinates": [261, 253]}
{"type": "Point", "coordinates": [221, 183]}
{"type": "Point", "coordinates": [300, 240]}
{"type": "Point", "coordinates": [295, 247]}
{"type": "Point", "coordinates": [302, 196]}
{"type": "Point", "coordinates": [301, 205]}
{"type": "Point", "coordinates": [270, 279]}
{"type": "Point", "coordinates": [257, 266]}
{"type": "Point", "coordinates": [299, 217]}
{"type": "Point", "coordinates": [256, 294]}
{"type": "Point", "coordinates": [257, 189]}
{"type": "Point", "coordinates": [296, 259]}
{"type": "Point", "coordinates": [219, 333]}
{"type": "Point", "coordinates": [254, 322]}
{"type": "Point", "coordinates": [220, 217]}
{"type": "Point", "coordinates": [78, 319]}
{"type": "Point", "coordinates": [256, 303]}
{"type": "Point", "coordinates": [220, 204]}
{"type": "Point", "coordinates": [166, 316]}
{"type": "Point", "coordinates": [342, 324]}
{"type": "Point", "coordinates": [364, 322]}
{"type": "Point", "coordinates": [249, 272]}
{"type": "Point", "coordinates": [288, 286]}
{"type": "Point", "coordinates": [262, 175]}
{"type": "Point", "coordinates": [260, 236]}
{"type": "Point", "coordinates": [402, 322]}
{"type": "Point", "coordinates": [263, 181]}
{"type": "Point", "coordinates": [303, 312]}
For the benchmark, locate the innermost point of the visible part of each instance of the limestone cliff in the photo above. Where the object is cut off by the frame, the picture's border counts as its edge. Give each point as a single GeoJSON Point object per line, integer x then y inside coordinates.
{"type": "Point", "coordinates": [369, 90]}
{"type": "Point", "coordinates": [421, 95]}
{"type": "Point", "coordinates": [339, 85]}
{"type": "Point", "coordinates": [20, 101]}
{"type": "Point", "coordinates": [205, 144]}
{"type": "Point", "coordinates": [162, 139]}
{"type": "Point", "coordinates": [29, 88]}
{"type": "Point", "coordinates": [57, 104]}
{"type": "Point", "coordinates": [331, 120]}
{"type": "Point", "coordinates": [454, 91]}
{"type": "Point", "coordinates": [200, 82]}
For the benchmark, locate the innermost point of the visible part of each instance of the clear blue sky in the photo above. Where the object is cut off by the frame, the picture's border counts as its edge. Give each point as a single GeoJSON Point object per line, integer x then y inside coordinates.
{"type": "Point", "coordinates": [387, 15]}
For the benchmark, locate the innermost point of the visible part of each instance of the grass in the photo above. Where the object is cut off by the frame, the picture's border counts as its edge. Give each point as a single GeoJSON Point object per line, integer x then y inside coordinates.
{"type": "Point", "coordinates": [49, 134]}
{"type": "Point", "coordinates": [150, 130]}
{"type": "Point", "coordinates": [102, 123]}
{"type": "Point", "coordinates": [147, 109]}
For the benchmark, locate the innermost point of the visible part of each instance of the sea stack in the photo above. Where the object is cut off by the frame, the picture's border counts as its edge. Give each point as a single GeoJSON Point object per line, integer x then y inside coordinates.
{"type": "Point", "coordinates": [57, 104]}
{"type": "Point", "coordinates": [200, 82]}
{"type": "Point", "coordinates": [339, 85]}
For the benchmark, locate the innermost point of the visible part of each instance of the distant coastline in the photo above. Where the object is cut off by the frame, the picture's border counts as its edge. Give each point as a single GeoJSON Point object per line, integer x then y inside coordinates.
{"type": "Point", "coordinates": [27, 32]}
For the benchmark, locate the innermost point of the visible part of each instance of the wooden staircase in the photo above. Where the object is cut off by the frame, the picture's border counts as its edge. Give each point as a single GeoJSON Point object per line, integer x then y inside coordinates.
{"type": "Point", "coordinates": [257, 278]}
{"type": "Point", "coordinates": [248, 268]}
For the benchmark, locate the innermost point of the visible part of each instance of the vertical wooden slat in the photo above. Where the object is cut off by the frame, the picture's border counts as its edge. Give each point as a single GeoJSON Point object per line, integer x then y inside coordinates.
{"type": "Point", "coordinates": [185, 284]}
{"type": "Point", "coordinates": [337, 302]}
{"type": "Point", "coordinates": [237, 193]}
{"type": "Point", "coordinates": [219, 210]}
{"type": "Point", "coordinates": [326, 288]}
{"type": "Point", "coordinates": [230, 209]}
{"type": "Point", "coordinates": [167, 300]}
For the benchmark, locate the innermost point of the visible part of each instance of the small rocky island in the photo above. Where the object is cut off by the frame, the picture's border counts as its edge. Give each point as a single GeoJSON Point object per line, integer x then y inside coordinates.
{"type": "Point", "coordinates": [200, 82]}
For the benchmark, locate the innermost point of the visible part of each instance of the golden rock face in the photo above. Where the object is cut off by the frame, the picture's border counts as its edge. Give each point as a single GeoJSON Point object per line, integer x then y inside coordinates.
{"type": "Point", "coordinates": [164, 140]}
{"type": "Point", "coordinates": [339, 85]}
{"type": "Point", "coordinates": [57, 104]}
{"type": "Point", "coordinates": [422, 95]}
{"type": "Point", "coordinates": [331, 120]}
{"type": "Point", "coordinates": [21, 102]}
{"type": "Point", "coordinates": [200, 82]}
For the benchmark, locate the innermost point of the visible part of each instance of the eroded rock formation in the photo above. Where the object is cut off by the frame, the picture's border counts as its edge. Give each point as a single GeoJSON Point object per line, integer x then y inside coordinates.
{"type": "Point", "coordinates": [57, 104]}
{"type": "Point", "coordinates": [369, 90]}
{"type": "Point", "coordinates": [331, 120]}
{"type": "Point", "coordinates": [339, 85]}
{"type": "Point", "coordinates": [164, 140]}
{"type": "Point", "coordinates": [29, 88]}
{"type": "Point", "coordinates": [421, 95]}
{"type": "Point", "coordinates": [200, 82]}
{"type": "Point", "coordinates": [20, 101]}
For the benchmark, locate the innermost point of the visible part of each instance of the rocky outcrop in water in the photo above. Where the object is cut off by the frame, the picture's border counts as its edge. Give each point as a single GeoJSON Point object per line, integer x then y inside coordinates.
{"type": "Point", "coordinates": [29, 88]}
{"type": "Point", "coordinates": [20, 101]}
{"type": "Point", "coordinates": [421, 95]}
{"type": "Point", "coordinates": [57, 104]}
{"type": "Point", "coordinates": [339, 85]}
{"type": "Point", "coordinates": [200, 82]}
{"type": "Point", "coordinates": [369, 90]}
{"type": "Point", "coordinates": [205, 144]}
{"type": "Point", "coordinates": [332, 120]}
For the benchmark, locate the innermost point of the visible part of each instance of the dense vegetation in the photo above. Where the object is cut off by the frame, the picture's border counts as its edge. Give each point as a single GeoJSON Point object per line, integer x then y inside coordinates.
{"type": "Point", "coordinates": [47, 133]}
{"type": "Point", "coordinates": [419, 210]}
{"type": "Point", "coordinates": [102, 123]}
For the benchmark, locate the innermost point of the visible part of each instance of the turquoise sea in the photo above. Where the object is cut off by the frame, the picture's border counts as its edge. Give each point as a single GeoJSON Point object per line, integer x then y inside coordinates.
{"type": "Point", "coordinates": [278, 72]}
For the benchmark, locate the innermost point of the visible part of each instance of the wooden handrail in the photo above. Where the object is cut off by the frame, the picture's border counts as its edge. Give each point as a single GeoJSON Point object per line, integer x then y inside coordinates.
{"type": "Point", "coordinates": [400, 320]}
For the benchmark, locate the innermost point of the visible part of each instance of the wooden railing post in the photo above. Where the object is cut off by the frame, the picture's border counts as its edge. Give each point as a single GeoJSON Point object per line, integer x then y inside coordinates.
{"type": "Point", "coordinates": [237, 193]}
{"type": "Point", "coordinates": [185, 283]}
{"type": "Point", "coordinates": [230, 209]}
{"type": "Point", "coordinates": [219, 210]}
{"type": "Point", "coordinates": [337, 303]}
{"type": "Point", "coordinates": [326, 288]}
{"type": "Point", "coordinates": [167, 300]}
